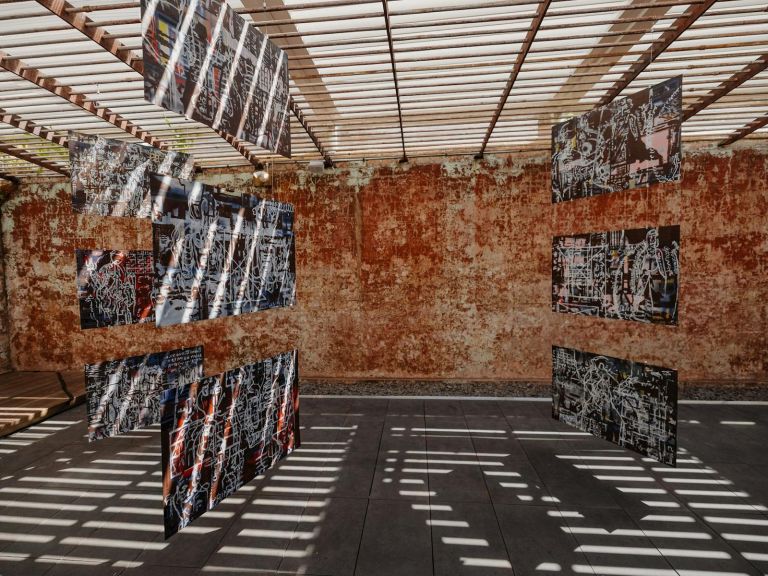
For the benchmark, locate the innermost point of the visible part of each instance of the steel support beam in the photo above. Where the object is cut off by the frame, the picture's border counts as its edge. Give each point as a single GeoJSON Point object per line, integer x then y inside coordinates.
{"type": "Point", "coordinates": [385, 7]}
{"type": "Point", "coordinates": [746, 130]}
{"type": "Point", "coordinates": [22, 154]}
{"type": "Point", "coordinates": [22, 70]}
{"type": "Point", "coordinates": [663, 42]}
{"type": "Point", "coordinates": [526, 46]}
{"type": "Point", "coordinates": [748, 72]}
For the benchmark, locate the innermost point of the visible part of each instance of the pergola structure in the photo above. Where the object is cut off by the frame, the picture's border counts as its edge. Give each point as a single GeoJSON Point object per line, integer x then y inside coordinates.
{"type": "Point", "coordinates": [389, 79]}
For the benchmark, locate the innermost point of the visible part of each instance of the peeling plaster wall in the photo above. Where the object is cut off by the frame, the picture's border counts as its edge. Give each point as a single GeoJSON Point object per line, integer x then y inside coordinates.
{"type": "Point", "coordinates": [434, 270]}
{"type": "Point", "coordinates": [5, 344]}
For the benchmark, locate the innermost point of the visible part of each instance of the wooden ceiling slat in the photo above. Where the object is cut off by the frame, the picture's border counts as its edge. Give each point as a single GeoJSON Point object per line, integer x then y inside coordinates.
{"type": "Point", "coordinates": [32, 128]}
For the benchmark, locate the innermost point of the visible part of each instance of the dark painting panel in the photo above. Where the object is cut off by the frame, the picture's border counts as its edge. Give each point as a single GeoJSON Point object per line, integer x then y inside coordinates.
{"type": "Point", "coordinates": [124, 395]}
{"type": "Point", "coordinates": [217, 254]}
{"type": "Point", "coordinates": [631, 404]}
{"type": "Point", "coordinates": [220, 432]}
{"type": "Point", "coordinates": [111, 177]}
{"type": "Point", "coordinates": [623, 274]}
{"type": "Point", "coordinates": [202, 60]}
{"type": "Point", "coordinates": [628, 143]}
{"type": "Point", "coordinates": [115, 287]}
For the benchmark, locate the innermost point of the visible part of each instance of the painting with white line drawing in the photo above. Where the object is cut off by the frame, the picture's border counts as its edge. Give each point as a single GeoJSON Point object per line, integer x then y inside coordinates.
{"type": "Point", "coordinates": [631, 404]}
{"type": "Point", "coordinates": [631, 142]}
{"type": "Point", "coordinates": [124, 394]}
{"type": "Point", "coordinates": [218, 254]}
{"type": "Point", "coordinates": [111, 177]}
{"type": "Point", "coordinates": [205, 61]}
{"type": "Point", "coordinates": [114, 287]}
{"type": "Point", "coordinates": [219, 433]}
{"type": "Point", "coordinates": [623, 274]}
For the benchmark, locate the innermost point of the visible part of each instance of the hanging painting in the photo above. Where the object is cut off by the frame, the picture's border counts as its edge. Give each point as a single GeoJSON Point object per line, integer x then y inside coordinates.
{"type": "Point", "coordinates": [217, 254]}
{"type": "Point", "coordinates": [114, 287]}
{"type": "Point", "coordinates": [220, 432]}
{"type": "Point", "coordinates": [628, 403]}
{"type": "Point", "coordinates": [111, 177]}
{"type": "Point", "coordinates": [124, 395]}
{"type": "Point", "coordinates": [630, 142]}
{"type": "Point", "coordinates": [624, 274]}
{"type": "Point", "coordinates": [203, 60]}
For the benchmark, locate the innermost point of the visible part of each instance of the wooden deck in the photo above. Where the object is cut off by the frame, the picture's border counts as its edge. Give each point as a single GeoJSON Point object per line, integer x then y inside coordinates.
{"type": "Point", "coordinates": [28, 397]}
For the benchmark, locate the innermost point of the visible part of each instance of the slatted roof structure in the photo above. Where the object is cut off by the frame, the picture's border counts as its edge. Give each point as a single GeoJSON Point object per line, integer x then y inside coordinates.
{"type": "Point", "coordinates": [389, 78]}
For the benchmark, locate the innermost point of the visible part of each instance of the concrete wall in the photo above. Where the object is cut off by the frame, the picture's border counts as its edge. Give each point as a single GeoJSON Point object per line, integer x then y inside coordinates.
{"type": "Point", "coordinates": [436, 270]}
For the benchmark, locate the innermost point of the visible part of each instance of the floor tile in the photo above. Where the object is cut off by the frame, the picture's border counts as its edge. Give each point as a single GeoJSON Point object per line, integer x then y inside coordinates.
{"type": "Point", "coordinates": [396, 540]}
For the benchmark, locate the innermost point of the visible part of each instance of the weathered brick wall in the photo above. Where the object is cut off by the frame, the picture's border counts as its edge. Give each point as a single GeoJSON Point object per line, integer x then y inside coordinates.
{"type": "Point", "coordinates": [436, 270]}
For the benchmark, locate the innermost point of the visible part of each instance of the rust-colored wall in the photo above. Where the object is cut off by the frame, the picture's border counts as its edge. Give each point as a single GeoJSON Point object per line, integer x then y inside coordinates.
{"type": "Point", "coordinates": [5, 344]}
{"type": "Point", "coordinates": [437, 270]}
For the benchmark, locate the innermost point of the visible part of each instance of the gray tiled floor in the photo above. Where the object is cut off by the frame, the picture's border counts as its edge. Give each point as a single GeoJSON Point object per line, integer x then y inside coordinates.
{"type": "Point", "coordinates": [402, 488]}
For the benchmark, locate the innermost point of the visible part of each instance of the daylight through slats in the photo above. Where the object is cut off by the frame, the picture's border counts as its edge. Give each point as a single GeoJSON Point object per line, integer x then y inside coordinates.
{"type": "Point", "coordinates": [369, 78]}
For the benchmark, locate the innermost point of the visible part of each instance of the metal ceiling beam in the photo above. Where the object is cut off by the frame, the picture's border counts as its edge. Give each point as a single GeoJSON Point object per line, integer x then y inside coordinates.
{"type": "Point", "coordinates": [670, 31]}
{"type": "Point", "coordinates": [746, 130]}
{"type": "Point", "coordinates": [28, 126]}
{"type": "Point", "coordinates": [82, 23]}
{"type": "Point", "coordinates": [487, 19]}
{"type": "Point", "coordinates": [310, 6]}
{"type": "Point", "coordinates": [313, 6]}
{"type": "Point", "coordinates": [663, 42]}
{"type": "Point", "coordinates": [26, 72]}
{"type": "Point", "coordinates": [22, 154]}
{"type": "Point", "coordinates": [385, 8]}
{"type": "Point", "coordinates": [311, 133]}
{"type": "Point", "coordinates": [530, 36]}
{"type": "Point", "coordinates": [560, 58]}
{"type": "Point", "coordinates": [439, 34]}
{"type": "Point", "coordinates": [749, 71]}
{"type": "Point", "coordinates": [377, 84]}
{"type": "Point", "coordinates": [419, 56]}
{"type": "Point", "coordinates": [98, 34]}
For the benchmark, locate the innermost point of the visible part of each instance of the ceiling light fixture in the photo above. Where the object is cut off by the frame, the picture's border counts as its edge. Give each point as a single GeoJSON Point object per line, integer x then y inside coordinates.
{"type": "Point", "coordinates": [261, 175]}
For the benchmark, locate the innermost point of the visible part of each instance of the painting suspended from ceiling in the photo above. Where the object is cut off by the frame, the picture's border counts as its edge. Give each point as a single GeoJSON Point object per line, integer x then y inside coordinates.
{"type": "Point", "coordinates": [124, 395]}
{"type": "Point", "coordinates": [220, 432]}
{"type": "Point", "coordinates": [111, 177]}
{"type": "Point", "coordinates": [631, 404]}
{"type": "Point", "coordinates": [624, 274]}
{"type": "Point", "coordinates": [115, 287]}
{"type": "Point", "coordinates": [631, 142]}
{"type": "Point", "coordinates": [217, 254]}
{"type": "Point", "coordinates": [202, 60]}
